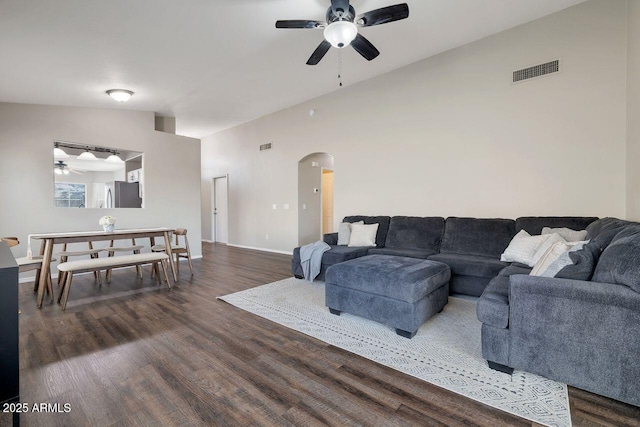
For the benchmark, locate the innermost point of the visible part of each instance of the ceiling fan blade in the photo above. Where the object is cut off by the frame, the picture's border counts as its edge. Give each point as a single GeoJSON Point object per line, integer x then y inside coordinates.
{"type": "Point", "coordinates": [300, 23]}
{"type": "Point", "coordinates": [340, 5]}
{"type": "Point", "coordinates": [383, 15]}
{"type": "Point", "coordinates": [319, 53]}
{"type": "Point", "coordinates": [365, 48]}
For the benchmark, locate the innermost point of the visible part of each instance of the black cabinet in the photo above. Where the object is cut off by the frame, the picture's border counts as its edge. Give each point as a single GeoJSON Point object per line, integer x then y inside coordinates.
{"type": "Point", "coordinates": [9, 368]}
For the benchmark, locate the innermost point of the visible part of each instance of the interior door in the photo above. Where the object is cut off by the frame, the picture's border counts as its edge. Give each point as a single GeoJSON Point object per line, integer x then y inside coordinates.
{"type": "Point", "coordinates": [220, 214]}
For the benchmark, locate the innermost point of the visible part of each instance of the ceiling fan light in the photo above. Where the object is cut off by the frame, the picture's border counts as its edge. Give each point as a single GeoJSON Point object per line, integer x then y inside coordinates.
{"type": "Point", "coordinates": [87, 155]}
{"type": "Point", "coordinates": [58, 171]}
{"type": "Point", "coordinates": [59, 153]}
{"type": "Point", "coordinates": [120, 95]}
{"type": "Point", "coordinates": [114, 158]}
{"type": "Point", "coordinates": [65, 171]}
{"type": "Point", "coordinates": [341, 33]}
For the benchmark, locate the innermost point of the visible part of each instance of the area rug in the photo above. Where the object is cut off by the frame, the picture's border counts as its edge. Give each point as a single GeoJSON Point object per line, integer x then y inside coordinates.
{"type": "Point", "coordinates": [446, 351]}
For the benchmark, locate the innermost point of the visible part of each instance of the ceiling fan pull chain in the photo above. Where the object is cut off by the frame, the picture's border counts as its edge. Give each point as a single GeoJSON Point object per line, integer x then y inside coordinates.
{"type": "Point", "coordinates": [340, 67]}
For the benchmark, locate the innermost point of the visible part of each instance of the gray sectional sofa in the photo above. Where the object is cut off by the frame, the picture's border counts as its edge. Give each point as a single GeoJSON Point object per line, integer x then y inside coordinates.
{"type": "Point", "coordinates": [584, 332]}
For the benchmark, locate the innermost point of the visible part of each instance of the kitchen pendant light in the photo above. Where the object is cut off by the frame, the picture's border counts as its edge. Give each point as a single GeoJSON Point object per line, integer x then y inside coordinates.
{"type": "Point", "coordinates": [87, 155]}
{"type": "Point", "coordinates": [59, 153]}
{"type": "Point", "coordinates": [114, 158]}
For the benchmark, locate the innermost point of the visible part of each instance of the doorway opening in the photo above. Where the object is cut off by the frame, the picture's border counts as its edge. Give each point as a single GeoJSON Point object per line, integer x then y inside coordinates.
{"type": "Point", "coordinates": [220, 209]}
{"type": "Point", "coordinates": [315, 197]}
{"type": "Point", "coordinates": [327, 201]}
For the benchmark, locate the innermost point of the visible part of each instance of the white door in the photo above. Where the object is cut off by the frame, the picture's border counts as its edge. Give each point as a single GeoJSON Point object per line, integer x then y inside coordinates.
{"type": "Point", "coordinates": [220, 212]}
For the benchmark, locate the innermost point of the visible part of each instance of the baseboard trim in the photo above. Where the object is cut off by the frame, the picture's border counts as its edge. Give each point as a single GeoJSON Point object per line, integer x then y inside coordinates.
{"type": "Point", "coordinates": [273, 251]}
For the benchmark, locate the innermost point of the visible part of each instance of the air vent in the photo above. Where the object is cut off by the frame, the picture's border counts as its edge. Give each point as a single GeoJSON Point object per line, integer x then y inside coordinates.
{"type": "Point", "coordinates": [536, 71]}
{"type": "Point", "coordinates": [265, 147]}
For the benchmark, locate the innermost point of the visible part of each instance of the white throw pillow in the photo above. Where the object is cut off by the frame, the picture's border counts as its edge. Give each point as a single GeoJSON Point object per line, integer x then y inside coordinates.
{"type": "Point", "coordinates": [523, 248]}
{"type": "Point", "coordinates": [344, 232]}
{"type": "Point", "coordinates": [567, 234]}
{"type": "Point", "coordinates": [552, 239]}
{"type": "Point", "coordinates": [363, 235]}
{"type": "Point", "coordinates": [549, 256]}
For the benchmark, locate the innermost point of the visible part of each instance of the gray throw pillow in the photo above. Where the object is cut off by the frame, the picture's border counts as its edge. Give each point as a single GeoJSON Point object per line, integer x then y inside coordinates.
{"type": "Point", "coordinates": [344, 232]}
{"type": "Point", "coordinates": [583, 262]}
{"type": "Point", "coordinates": [620, 261]}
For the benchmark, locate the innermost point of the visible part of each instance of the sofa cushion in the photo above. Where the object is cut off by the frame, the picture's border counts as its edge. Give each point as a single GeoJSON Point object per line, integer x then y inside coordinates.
{"type": "Point", "coordinates": [336, 254]}
{"type": "Point", "coordinates": [415, 233]}
{"type": "Point", "coordinates": [473, 236]}
{"type": "Point", "coordinates": [383, 228]}
{"type": "Point", "coordinates": [604, 230]}
{"type": "Point", "coordinates": [471, 265]}
{"type": "Point", "coordinates": [534, 224]}
{"type": "Point", "coordinates": [411, 253]}
{"type": "Point", "coordinates": [514, 268]}
{"type": "Point", "coordinates": [620, 261]}
{"type": "Point", "coordinates": [493, 305]}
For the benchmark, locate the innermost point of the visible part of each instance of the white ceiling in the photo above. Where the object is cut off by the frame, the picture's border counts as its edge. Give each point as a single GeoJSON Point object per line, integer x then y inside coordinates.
{"type": "Point", "coordinates": [216, 63]}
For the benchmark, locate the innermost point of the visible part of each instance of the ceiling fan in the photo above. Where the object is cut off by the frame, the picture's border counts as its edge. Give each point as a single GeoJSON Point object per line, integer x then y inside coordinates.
{"type": "Point", "coordinates": [341, 28]}
{"type": "Point", "coordinates": [61, 168]}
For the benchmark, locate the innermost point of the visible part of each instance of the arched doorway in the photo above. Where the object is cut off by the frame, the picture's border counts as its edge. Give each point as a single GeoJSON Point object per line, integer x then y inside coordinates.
{"type": "Point", "coordinates": [315, 197]}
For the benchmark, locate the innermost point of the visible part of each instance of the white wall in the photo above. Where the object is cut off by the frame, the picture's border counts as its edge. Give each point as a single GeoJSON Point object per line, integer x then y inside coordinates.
{"type": "Point", "coordinates": [633, 110]}
{"type": "Point", "coordinates": [450, 135]}
{"type": "Point", "coordinates": [27, 132]}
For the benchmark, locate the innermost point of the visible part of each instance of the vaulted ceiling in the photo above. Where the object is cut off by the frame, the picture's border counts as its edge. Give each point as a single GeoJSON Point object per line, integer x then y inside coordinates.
{"type": "Point", "coordinates": [216, 63]}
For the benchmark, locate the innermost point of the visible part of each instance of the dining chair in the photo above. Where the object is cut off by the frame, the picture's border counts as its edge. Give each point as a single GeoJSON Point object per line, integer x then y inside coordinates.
{"type": "Point", "coordinates": [133, 248]}
{"type": "Point", "coordinates": [29, 264]}
{"type": "Point", "coordinates": [65, 254]}
{"type": "Point", "coordinates": [180, 251]}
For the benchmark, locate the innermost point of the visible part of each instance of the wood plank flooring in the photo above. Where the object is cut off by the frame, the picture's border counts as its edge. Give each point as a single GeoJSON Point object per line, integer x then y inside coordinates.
{"type": "Point", "coordinates": [133, 353]}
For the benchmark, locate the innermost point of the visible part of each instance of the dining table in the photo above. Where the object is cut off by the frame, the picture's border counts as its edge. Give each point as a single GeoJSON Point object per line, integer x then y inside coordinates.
{"type": "Point", "coordinates": [48, 240]}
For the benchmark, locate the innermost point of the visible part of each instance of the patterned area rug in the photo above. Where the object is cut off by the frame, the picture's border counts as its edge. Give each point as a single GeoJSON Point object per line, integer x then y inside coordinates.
{"type": "Point", "coordinates": [446, 350]}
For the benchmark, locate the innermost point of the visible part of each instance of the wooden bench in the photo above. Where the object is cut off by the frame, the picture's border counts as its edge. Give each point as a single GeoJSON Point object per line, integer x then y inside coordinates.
{"type": "Point", "coordinates": [96, 264]}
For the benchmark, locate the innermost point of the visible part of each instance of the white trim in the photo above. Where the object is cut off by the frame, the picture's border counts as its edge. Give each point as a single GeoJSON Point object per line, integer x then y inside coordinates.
{"type": "Point", "coordinates": [275, 251]}
{"type": "Point", "coordinates": [207, 241]}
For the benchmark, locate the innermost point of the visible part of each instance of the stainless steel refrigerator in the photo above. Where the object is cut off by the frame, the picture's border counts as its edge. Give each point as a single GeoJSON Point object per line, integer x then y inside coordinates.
{"type": "Point", "coordinates": [121, 194]}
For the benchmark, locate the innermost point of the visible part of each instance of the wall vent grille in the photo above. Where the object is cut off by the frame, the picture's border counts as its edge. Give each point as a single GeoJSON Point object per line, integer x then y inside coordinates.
{"type": "Point", "coordinates": [265, 147]}
{"type": "Point", "coordinates": [536, 71]}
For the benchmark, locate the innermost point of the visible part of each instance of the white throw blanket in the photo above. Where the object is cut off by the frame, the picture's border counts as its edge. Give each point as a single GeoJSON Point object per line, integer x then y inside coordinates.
{"type": "Point", "coordinates": [311, 259]}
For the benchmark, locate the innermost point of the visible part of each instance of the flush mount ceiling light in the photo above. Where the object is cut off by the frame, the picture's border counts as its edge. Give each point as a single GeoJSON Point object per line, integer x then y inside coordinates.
{"type": "Point", "coordinates": [341, 33]}
{"type": "Point", "coordinates": [120, 95]}
{"type": "Point", "coordinates": [87, 155]}
{"type": "Point", "coordinates": [114, 158]}
{"type": "Point", "coordinates": [59, 153]}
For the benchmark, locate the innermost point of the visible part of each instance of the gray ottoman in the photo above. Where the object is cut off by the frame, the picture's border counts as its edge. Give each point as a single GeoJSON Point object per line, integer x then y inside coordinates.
{"type": "Point", "coordinates": [397, 291]}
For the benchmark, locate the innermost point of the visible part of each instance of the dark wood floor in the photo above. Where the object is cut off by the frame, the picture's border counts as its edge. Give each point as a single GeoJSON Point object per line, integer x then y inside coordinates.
{"type": "Point", "coordinates": [130, 353]}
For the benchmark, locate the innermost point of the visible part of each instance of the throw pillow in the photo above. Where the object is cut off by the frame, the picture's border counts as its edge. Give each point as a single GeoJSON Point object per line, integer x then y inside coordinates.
{"type": "Point", "coordinates": [550, 256]}
{"type": "Point", "coordinates": [344, 232]}
{"type": "Point", "coordinates": [620, 261]}
{"type": "Point", "coordinates": [562, 261]}
{"type": "Point", "coordinates": [552, 239]}
{"type": "Point", "coordinates": [583, 261]}
{"type": "Point", "coordinates": [523, 248]}
{"type": "Point", "coordinates": [363, 235]}
{"type": "Point", "coordinates": [567, 234]}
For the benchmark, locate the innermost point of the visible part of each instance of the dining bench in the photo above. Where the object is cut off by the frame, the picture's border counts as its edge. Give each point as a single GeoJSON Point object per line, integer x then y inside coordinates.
{"type": "Point", "coordinates": [97, 264]}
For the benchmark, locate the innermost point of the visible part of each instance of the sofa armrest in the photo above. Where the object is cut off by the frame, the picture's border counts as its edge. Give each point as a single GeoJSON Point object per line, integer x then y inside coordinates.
{"type": "Point", "coordinates": [575, 291]}
{"type": "Point", "coordinates": [331, 239]}
{"type": "Point", "coordinates": [577, 332]}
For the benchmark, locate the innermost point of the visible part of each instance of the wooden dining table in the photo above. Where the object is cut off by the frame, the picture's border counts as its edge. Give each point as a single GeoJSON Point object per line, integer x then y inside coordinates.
{"type": "Point", "coordinates": [50, 239]}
